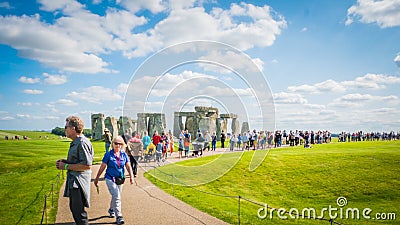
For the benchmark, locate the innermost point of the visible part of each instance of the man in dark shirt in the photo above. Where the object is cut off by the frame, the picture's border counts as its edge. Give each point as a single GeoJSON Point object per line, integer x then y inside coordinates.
{"type": "Point", "coordinates": [223, 138]}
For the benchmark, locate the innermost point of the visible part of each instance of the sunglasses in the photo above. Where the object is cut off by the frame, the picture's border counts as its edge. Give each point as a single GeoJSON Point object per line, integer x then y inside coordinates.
{"type": "Point", "coordinates": [66, 127]}
{"type": "Point", "coordinates": [118, 143]}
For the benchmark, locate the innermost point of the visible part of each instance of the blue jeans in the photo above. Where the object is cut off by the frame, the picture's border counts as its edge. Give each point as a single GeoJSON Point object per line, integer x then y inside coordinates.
{"type": "Point", "coordinates": [108, 146]}
{"type": "Point", "coordinates": [213, 146]}
{"type": "Point", "coordinates": [187, 149]}
{"type": "Point", "coordinates": [231, 145]}
{"type": "Point", "coordinates": [115, 191]}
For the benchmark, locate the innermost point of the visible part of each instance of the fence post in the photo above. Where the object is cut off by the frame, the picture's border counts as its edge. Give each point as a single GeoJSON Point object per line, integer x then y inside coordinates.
{"type": "Point", "coordinates": [154, 169]}
{"type": "Point", "coordinates": [52, 195]}
{"type": "Point", "coordinates": [44, 209]}
{"type": "Point", "coordinates": [173, 189]}
{"type": "Point", "coordinates": [239, 209]}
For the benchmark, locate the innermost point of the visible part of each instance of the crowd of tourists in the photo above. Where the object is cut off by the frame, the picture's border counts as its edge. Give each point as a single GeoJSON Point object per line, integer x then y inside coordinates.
{"type": "Point", "coordinates": [371, 136]}
{"type": "Point", "coordinates": [194, 145]}
{"type": "Point", "coordinates": [267, 139]}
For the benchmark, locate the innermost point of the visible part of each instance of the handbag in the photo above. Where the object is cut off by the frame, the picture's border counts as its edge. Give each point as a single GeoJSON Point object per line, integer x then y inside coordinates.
{"type": "Point", "coordinates": [119, 180]}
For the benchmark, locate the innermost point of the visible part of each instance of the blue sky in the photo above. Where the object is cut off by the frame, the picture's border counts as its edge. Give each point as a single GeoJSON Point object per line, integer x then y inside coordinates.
{"type": "Point", "coordinates": [330, 65]}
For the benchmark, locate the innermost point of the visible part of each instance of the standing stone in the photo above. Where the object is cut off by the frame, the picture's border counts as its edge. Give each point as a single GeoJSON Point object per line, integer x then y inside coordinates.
{"type": "Point", "coordinates": [159, 122]}
{"type": "Point", "coordinates": [191, 126]}
{"type": "Point", "coordinates": [97, 126]}
{"type": "Point", "coordinates": [235, 126]}
{"type": "Point", "coordinates": [207, 124]}
{"type": "Point", "coordinates": [221, 126]}
{"type": "Point", "coordinates": [150, 125]}
{"type": "Point", "coordinates": [245, 127]}
{"type": "Point", "coordinates": [142, 124]}
{"type": "Point", "coordinates": [112, 124]}
{"type": "Point", "coordinates": [125, 123]}
{"type": "Point", "coordinates": [178, 126]}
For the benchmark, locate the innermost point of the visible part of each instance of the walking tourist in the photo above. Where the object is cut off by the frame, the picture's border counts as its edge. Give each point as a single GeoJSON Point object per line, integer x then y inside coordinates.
{"type": "Point", "coordinates": [213, 142]}
{"type": "Point", "coordinates": [186, 142]}
{"type": "Point", "coordinates": [78, 165]}
{"type": "Point", "coordinates": [223, 138]}
{"type": "Point", "coordinates": [107, 138]}
{"type": "Point", "coordinates": [115, 162]}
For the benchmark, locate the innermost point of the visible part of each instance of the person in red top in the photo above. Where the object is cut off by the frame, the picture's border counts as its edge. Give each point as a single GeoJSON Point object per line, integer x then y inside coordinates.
{"type": "Point", "coordinates": [156, 138]}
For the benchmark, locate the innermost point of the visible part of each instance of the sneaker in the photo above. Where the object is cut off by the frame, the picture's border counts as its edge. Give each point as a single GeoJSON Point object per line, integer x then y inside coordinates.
{"type": "Point", "coordinates": [112, 213]}
{"type": "Point", "coordinates": [120, 220]}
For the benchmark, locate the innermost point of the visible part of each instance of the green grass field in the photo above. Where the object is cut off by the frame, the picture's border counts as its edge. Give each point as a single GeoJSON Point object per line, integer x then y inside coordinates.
{"type": "Point", "coordinates": [367, 174]}
{"type": "Point", "coordinates": [27, 172]}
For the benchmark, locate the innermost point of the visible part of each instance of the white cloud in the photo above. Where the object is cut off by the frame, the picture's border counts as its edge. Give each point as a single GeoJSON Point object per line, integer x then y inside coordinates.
{"type": "Point", "coordinates": [6, 118]}
{"type": "Point", "coordinates": [235, 59]}
{"type": "Point", "coordinates": [315, 106]}
{"type": "Point", "coordinates": [274, 61]}
{"type": "Point", "coordinates": [386, 13]}
{"type": "Point", "coordinates": [77, 38]}
{"type": "Point", "coordinates": [368, 81]}
{"type": "Point", "coordinates": [304, 29]}
{"type": "Point", "coordinates": [289, 98]}
{"type": "Point", "coordinates": [67, 5]}
{"type": "Point", "coordinates": [23, 116]}
{"type": "Point", "coordinates": [397, 60]}
{"type": "Point", "coordinates": [48, 44]}
{"type": "Point", "coordinates": [25, 103]}
{"type": "Point", "coordinates": [54, 79]}
{"type": "Point", "coordinates": [65, 102]}
{"type": "Point", "coordinates": [163, 86]}
{"type": "Point", "coordinates": [356, 97]}
{"type": "Point", "coordinates": [260, 29]}
{"type": "Point", "coordinates": [37, 117]}
{"type": "Point", "coordinates": [154, 6]}
{"type": "Point", "coordinates": [5, 5]}
{"type": "Point", "coordinates": [61, 102]}
{"type": "Point", "coordinates": [388, 98]}
{"type": "Point", "coordinates": [385, 110]}
{"type": "Point", "coordinates": [29, 80]}
{"type": "Point", "coordinates": [122, 88]}
{"type": "Point", "coordinates": [322, 87]}
{"type": "Point", "coordinates": [360, 98]}
{"type": "Point", "coordinates": [340, 105]}
{"type": "Point", "coordinates": [95, 94]}
{"type": "Point", "coordinates": [33, 91]}
{"type": "Point", "coordinates": [372, 81]}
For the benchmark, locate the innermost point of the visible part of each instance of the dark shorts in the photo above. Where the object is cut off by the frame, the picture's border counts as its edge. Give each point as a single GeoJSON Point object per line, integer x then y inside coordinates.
{"type": "Point", "coordinates": [180, 149]}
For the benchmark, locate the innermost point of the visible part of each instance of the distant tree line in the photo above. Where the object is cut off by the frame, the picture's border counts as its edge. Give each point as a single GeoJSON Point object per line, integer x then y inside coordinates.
{"type": "Point", "coordinates": [59, 131]}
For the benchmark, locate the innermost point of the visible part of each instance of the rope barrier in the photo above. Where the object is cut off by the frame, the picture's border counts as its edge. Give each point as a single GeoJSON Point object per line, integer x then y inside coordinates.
{"type": "Point", "coordinates": [50, 194]}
